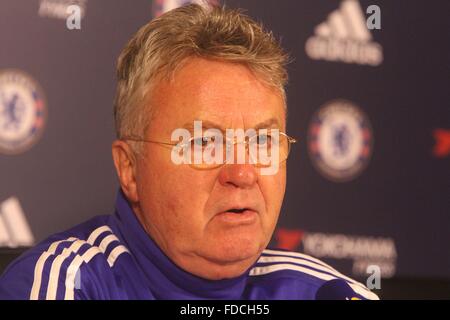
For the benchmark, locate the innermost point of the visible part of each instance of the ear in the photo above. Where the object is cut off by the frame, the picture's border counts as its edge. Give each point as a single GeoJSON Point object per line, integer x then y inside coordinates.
{"type": "Point", "coordinates": [125, 163]}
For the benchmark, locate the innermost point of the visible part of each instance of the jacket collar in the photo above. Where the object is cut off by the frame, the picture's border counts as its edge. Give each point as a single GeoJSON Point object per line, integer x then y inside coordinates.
{"type": "Point", "coordinates": [164, 278]}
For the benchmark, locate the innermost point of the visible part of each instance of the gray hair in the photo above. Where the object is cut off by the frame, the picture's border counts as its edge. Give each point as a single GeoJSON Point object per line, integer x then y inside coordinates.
{"type": "Point", "coordinates": [162, 45]}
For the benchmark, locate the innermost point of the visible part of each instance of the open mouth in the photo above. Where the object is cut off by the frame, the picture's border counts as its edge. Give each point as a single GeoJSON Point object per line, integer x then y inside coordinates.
{"type": "Point", "coordinates": [238, 216]}
{"type": "Point", "coordinates": [237, 210]}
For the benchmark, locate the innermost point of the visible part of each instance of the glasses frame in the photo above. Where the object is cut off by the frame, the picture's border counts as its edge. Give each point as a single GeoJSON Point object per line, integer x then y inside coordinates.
{"type": "Point", "coordinates": [290, 140]}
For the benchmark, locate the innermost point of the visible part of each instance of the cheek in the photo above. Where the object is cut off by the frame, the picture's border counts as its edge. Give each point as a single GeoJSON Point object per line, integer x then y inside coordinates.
{"type": "Point", "coordinates": [185, 196]}
{"type": "Point", "coordinates": [187, 189]}
{"type": "Point", "coordinates": [273, 188]}
{"type": "Point", "coordinates": [175, 197]}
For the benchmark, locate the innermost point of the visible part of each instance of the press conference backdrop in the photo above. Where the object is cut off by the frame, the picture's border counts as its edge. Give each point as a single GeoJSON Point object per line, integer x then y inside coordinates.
{"type": "Point", "coordinates": [368, 98]}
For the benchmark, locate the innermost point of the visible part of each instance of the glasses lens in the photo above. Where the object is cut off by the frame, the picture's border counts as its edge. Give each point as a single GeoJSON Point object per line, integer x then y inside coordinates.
{"type": "Point", "coordinates": [271, 149]}
{"type": "Point", "coordinates": [261, 150]}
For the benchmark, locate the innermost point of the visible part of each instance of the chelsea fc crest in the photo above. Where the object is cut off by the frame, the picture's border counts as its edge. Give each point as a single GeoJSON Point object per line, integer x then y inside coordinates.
{"type": "Point", "coordinates": [340, 140]}
{"type": "Point", "coordinates": [22, 111]}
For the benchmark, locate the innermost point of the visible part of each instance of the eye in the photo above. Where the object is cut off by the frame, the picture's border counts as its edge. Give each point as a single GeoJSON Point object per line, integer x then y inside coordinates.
{"type": "Point", "coordinates": [203, 141]}
{"type": "Point", "coordinates": [263, 139]}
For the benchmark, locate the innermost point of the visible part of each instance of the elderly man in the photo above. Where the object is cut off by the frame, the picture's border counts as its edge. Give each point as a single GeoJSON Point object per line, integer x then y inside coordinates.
{"type": "Point", "coordinates": [188, 226]}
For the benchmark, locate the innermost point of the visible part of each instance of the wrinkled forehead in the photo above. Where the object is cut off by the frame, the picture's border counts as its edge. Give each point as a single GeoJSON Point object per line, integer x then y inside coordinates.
{"type": "Point", "coordinates": [221, 94]}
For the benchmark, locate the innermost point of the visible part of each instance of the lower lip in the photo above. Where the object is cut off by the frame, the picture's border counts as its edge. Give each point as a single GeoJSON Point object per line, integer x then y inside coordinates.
{"type": "Point", "coordinates": [246, 217]}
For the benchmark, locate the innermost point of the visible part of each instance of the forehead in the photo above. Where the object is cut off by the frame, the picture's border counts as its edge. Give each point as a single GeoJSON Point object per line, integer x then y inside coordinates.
{"type": "Point", "coordinates": [218, 92]}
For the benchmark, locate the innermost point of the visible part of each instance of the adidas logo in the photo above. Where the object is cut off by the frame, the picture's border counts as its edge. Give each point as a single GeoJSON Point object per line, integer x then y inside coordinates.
{"type": "Point", "coordinates": [344, 37]}
{"type": "Point", "coordinates": [14, 228]}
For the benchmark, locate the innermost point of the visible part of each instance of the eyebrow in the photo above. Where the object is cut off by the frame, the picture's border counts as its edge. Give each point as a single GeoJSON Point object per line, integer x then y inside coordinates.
{"type": "Point", "coordinates": [206, 124]}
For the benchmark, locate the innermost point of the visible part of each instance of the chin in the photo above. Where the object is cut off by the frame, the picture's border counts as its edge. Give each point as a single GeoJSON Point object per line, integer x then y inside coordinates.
{"type": "Point", "coordinates": [240, 251]}
{"type": "Point", "coordinates": [235, 256]}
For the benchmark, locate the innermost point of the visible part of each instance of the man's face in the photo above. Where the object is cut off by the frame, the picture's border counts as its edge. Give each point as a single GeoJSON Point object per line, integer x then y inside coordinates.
{"type": "Point", "coordinates": [185, 209]}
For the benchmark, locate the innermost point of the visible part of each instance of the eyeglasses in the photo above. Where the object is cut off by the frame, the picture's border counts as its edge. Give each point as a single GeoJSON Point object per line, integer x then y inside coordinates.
{"type": "Point", "coordinates": [208, 152]}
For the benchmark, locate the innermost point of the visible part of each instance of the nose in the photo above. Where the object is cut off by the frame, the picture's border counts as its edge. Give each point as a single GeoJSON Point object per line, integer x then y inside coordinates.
{"type": "Point", "coordinates": [238, 175]}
